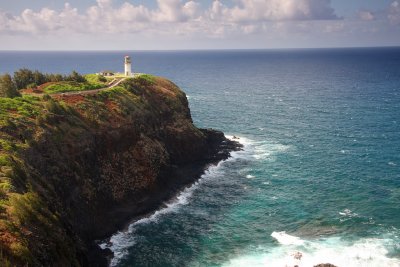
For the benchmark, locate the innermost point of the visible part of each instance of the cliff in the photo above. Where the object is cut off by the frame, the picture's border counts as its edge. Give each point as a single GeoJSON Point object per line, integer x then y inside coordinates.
{"type": "Point", "coordinates": [77, 167]}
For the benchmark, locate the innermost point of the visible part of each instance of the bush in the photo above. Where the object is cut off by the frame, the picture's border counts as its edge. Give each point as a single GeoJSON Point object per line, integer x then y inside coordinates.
{"type": "Point", "coordinates": [75, 77]}
{"type": "Point", "coordinates": [102, 78]}
{"type": "Point", "coordinates": [23, 77]}
{"type": "Point", "coordinates": [46, 97]}
{"type": "Point", "coordinates": [7, 87]}
{"type": "Point", "coordinates": [54, 107]}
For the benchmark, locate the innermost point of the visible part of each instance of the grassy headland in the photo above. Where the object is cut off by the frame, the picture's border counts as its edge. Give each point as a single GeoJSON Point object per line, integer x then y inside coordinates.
{"type": "Point", "coordinates": [68, 160]}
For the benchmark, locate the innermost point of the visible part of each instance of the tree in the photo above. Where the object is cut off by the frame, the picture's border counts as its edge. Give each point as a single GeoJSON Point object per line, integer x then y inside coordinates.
{"type": "Point", "coordinates": [23, 77]}
{"type": "Point", "coordinates": [7, 87]}
{"type": "Point", "coordinates": [39, 78]}
{"type": "Point", "coordinates": [54, 77]}
{"type": "Point", "coordinates": [76, 77]}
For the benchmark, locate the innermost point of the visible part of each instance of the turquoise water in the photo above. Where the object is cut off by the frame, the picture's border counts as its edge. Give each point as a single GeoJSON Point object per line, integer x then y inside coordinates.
{"type": "Point", "coordinates": [320, 169]}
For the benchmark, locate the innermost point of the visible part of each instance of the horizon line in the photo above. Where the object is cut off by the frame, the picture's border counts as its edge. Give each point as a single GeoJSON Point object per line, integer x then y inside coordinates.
{"type": "Point", "coordinates": [199, 49]}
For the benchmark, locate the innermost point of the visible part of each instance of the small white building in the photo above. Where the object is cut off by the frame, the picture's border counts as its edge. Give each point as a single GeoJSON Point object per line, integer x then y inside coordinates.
{"type": "Point", "coordinates": [106, 73]}
{"type": "Point", "coordinates": [128, 66]}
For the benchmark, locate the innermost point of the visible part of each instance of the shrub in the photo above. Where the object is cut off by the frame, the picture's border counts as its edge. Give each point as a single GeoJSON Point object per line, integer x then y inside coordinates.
{"type": "Point", "coordinates": [23, 77]}
{"type": "Point", "coordinates": [46, 97]}
{"type": "Point", "coordinates": [4, 160]}
{"type": "Point", "coordinates": [54, 107]}
{"type": "Point", "coordinates": [102, 78]}
{"type": "Point", "coordinates": [7, 87]}
{"type": "Point", "coordinates": [75, 77]}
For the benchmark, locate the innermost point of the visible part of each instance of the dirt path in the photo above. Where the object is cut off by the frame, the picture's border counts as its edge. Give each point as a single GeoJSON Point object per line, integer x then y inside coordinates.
{"type": "Point", "coordinates": [112, 84]}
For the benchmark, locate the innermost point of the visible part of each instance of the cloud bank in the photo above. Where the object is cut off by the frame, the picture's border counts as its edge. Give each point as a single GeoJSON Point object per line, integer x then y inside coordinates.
{"type": "Point", "coordinates": [192, 23]}
{"type": "Point", "coordinates": [126, 18]}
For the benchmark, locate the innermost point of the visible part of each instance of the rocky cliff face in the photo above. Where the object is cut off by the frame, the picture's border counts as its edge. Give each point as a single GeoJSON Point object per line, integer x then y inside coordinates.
{"type": "Point", "coordinates": [82, 165]}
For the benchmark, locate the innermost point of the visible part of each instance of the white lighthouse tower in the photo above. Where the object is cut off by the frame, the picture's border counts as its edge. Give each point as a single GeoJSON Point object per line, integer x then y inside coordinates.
{"type": "Point", "coordinates": [128, 66]}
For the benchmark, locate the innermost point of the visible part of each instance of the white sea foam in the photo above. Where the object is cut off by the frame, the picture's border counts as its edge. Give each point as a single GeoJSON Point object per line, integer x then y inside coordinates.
{"type": "Point", "coordinates": [120, 242]}
{"type": "Point", "coordinates": [369, 252]}
{"type": "Point", "coordinates": [259, 150]}
{"type": "Point", "coordinates": [286, 239]}
{"type": "Point", "coordinates": [348, 213]}
{"type": "Point", "coordinates": [266, 150]}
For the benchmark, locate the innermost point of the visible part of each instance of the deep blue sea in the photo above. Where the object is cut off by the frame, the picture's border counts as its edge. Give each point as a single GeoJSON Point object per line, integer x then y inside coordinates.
{"type": "Point", "coordinates": [320, 169]}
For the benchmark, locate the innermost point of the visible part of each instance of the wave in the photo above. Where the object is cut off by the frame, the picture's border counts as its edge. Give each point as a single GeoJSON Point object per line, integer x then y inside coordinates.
{"type": "Point", "coordinates": [120, 242]}
{"type": "Point", "coordinates": [292, 251]}
{"type": "Point", "coordinates": [348, 213]}
{"type": "Point", "coordinates": [258, 150]}
{"type": "Point", "coordinates": [285, 239]}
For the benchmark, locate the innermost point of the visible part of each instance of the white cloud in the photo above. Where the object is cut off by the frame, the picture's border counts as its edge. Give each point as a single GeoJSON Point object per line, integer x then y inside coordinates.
{"type": "Point", "coordinates": [127, 18]}
{"type": "Point", "coordinates": [105, 22]}
{"type": "Point", "coordinates": [272, 10]}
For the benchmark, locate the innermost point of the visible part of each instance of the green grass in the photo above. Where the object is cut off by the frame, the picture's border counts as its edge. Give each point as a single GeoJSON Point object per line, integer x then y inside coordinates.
{"type": "Point", "coordinates": [23, 120]}
{"type": "Point", "coordinates": [25, 106]}
{"type": "Point", "coordinates": [4, 160]}
{"type": "Point", "coordinates": [96, 79]}
{"type": "Point", "coordinates": [147, 77]}
{"type": "Point", "coordinates": [109, 93]}
{"type": "Point", "coordinates": [62, 87]}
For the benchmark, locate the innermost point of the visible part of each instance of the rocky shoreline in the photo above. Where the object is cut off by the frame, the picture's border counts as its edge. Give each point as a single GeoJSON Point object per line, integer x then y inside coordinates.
{"type": "Point", "coordinates": [180, 177]}
{"type": "Point", "coordinates": [79, 167]}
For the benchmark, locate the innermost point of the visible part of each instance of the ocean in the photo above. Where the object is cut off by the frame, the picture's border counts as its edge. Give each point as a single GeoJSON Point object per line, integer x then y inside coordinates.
{"type": "Point", "coordinates": [319, 173]}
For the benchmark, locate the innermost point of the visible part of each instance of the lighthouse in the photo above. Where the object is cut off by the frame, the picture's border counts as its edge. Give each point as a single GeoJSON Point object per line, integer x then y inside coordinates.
{"type": "Point", "coordinates": [128, 66]}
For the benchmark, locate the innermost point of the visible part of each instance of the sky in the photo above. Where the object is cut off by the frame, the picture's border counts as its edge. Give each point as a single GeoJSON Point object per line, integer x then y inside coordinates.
{"type": "Point", "coordinates": [197, 24]}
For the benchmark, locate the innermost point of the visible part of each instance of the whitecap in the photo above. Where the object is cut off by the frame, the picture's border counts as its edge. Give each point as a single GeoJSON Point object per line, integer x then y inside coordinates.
{"type": "Point", "coordinates": [259, 150]}
{"type": "Point", "coordinates": [371, 252]}
{"type": "Point", "coordinates": [286, 239]}
{"type": "Point", "coordinates": [121, 241]}
{"type": "Point", "coordinates": [348, 213]}
{"type": "Point", "coordinates": [267, 150]}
